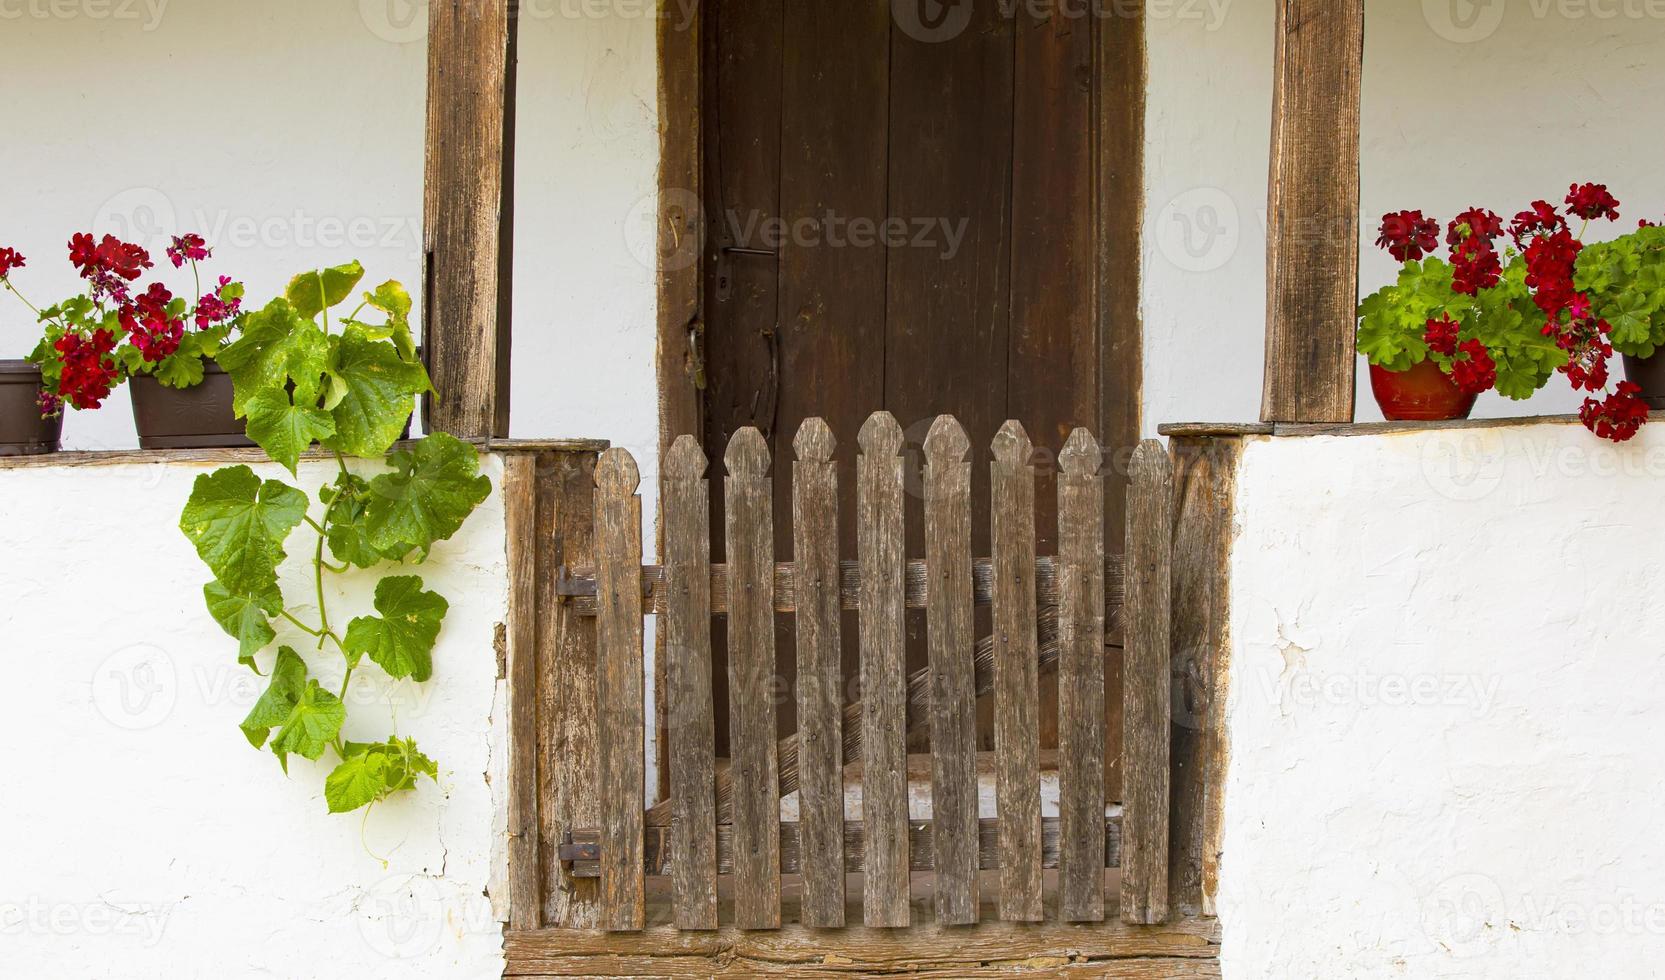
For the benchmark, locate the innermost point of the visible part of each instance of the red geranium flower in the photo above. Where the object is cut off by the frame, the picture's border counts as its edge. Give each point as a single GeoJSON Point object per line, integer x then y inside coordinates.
{"type": "Point", "coordinates": [108, 265]}
{"type": "Point", "coordinates": [185, 248]}
{"type": "Point", "coordinates": [1441, 336]}
{"type": "Point", "coordinates": [1408, 236]}
{"type": "Point", "coordinates": [1475, 222]}
{"type": "Point", "coordinates": [1541, 217]}
{"type": "Point", "coordinates": [1618, 417]}
{"type": "Point", "coordinates": [1591, 201]}
{"type": "Point", "coordinates": [87, 372]}
{"type": "Point", "coordinates": [9, 260]}
{"type": "Point", "coordinates": [1477, 372]}
{"type": "Point", "coordinates": [1477, 265]}
{"type": "Point", "coordinates": [1550, 260]}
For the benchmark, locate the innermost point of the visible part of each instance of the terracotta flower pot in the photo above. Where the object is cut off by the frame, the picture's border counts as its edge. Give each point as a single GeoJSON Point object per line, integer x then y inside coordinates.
{"type": "Point", "coordinates": [22, 431]}
{"type": "Point", "coordinates": [1648, 373]}
{"type": "Point", "coordinates": [1422, 394]}
{"type": "Point", "coordinates": [187, 418]}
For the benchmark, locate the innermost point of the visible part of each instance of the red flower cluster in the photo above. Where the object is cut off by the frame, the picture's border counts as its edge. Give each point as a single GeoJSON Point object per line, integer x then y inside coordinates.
{"type": "Point", "coordinates": [1408, 236]}
{"type": "Point", "coordinates": [9, 260]}
{"type": "Point", "coordinates": [1472, 238]}
{"type": "Point", "coordinates": [1477, 372]}
{"type": "Point", "coordinates": [148, 325]}
{"type": "Point", "coordinates": [211, 309]}
{"type": "Point", "coordinates": [1441, 336]}
{"type": "Point", "coordinates": [109, 265]}
{"type": "Point", "coordinates": [88, 372]}
{"type": "Point", "coordinates": [1592, 201]}
{"type": "Point", "coordinates": [189, 247]}
{"type": "Point", "coordinates": [1584, 338]}
{"type": "Point", "coordinates": [1542, 216]}
{"type": "Point", "coordinates": [1619, 416]}
{"type": "Point", "coordinates": [1550, 260]}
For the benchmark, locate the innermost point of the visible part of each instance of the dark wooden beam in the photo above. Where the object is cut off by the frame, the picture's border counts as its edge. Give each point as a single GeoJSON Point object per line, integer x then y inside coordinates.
{"type": "Point", "coordinates": [466, 229]}
{"type": "Point", "coordinates": [1312, 244]}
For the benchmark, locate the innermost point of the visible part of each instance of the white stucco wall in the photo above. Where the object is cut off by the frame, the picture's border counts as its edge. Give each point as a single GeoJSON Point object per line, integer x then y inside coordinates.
{"type": "Point", "coordinates": [1447, 672]}
{"type": "Point", "coordinates": [146, 839]}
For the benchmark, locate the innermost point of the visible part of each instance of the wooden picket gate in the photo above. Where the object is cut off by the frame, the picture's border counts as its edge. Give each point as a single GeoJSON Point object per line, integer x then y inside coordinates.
{"type": "Point", "coordinates": [1048, 612]}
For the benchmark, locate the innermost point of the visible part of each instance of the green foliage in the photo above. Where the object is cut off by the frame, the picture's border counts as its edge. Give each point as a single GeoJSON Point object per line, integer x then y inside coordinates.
{"type": "Point", "coordinates": [1625, 279]}
{"type": "Point", "coordinates": [1393, 322]}
{"type": "Point", "coordinates": [350, 389]}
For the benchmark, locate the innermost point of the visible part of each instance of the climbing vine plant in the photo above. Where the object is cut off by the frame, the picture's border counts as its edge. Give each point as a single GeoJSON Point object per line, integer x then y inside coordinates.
{"type": "Point", "coordinates": [349, 387]}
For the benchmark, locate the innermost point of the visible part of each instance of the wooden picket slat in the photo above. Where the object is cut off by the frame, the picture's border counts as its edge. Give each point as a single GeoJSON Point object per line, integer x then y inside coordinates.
{"type": "Point", "coordinates": [1081, 679]}
{"type": "Point", "coordinates": [619, 687]}
{"type": "Point", "coordinates": [820, 681]}
{"type": "Point", "coordinates": [750, 537]}
{"type": "Point", "coordinates": [692, 739]}
{"type": "Point", "coordinates": [883, 719]}
{"type": "Point", "coordinates": [953, 681]}
{"type": "Point", "coordinates": [1016, 681]}
{"type": "Point", "coordinates": [1146, 686]}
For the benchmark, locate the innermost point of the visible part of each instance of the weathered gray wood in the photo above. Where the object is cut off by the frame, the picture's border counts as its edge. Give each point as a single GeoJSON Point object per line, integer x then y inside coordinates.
{"type": "Point", "coordinates": [1146, 686]}
{"type": "Point", "coordinates": [520, 518]}
{"type": "Point", "coordinates": [619, 687]}
{"type": "Point", "coordinates": [567, 751]}
{"type": "Point", "coordinates": [953, 676]}
{"type": "Point", "coordinates": [580, 579]}
{"type": "Point", "coordinates": [469, 153]}
{"type": "Point", "coordinates": [1016, 684]}
{"type": "Point", "coordinates": [820, 683]}
{"type": "Point", "coordinates": [1312, 214]}
{"type": "Point", "coordinates": [1080, 678]}
{"type": "Point", "coordinates": [881, 722]}
{"type": "Point", "coordinates": [687, 652]}
{"type": "Point", "coordinates": [1204, 488]}
{"type": "Point", "coordinates": [750, 537]}
{"type": "Point", "coordinates": [855, 841]}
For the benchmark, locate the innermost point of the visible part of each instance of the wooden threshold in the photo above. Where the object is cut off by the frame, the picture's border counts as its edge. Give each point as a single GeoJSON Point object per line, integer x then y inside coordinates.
{"type": "Point", "coordinates": [1181, 949]}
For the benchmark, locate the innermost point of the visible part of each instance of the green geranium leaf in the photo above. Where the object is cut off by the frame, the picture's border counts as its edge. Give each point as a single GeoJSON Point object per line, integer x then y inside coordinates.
{"type": "Point", "coordinates": [282, 691]}
{"type": "Point", "coordinates": [373, 392]}
{"type": "Point", "coordinates": [238, 525]}
{"type": "Point", "coordinates": [313, 292]}
{"type": "Point", "coordinates": [184, 367]}
{"type": "Point", "coordinates": [433, 489]}
{"type": "Point", "coordinates": [282, 428]}
{"type": "Point", "coordinates": [401, 639]}
{"type": "Point", "coordinates": [245, 616]}
{"type": "Point", "coordinates": [279, 348]}
{"type": "Point", "coordinates": [313, 723]}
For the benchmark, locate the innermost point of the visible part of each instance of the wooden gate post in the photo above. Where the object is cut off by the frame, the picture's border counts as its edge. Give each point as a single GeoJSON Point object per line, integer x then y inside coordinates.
{"type": "Point", "coordinates": [467, 215]}
{"type": "Point", "coordinates": [1312, 242]}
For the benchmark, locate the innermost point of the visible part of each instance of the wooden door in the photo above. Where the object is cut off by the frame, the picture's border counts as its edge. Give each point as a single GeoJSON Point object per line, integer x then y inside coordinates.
{"type": "Point", "coordinates": [923, 207]}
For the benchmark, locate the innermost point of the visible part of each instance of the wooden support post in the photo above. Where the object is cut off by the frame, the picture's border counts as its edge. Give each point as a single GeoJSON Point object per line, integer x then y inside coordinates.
{"type": "Point", "coordinates": [520, 514]}
{"type": "Point", "coordinates": [1312, 242]}
{"type": "Point", "coordinates": [1205, 472]}
{"type": "Point", "coordinates": [1146, 718]}
{"type": "Point", "coordinates": [467, 231]}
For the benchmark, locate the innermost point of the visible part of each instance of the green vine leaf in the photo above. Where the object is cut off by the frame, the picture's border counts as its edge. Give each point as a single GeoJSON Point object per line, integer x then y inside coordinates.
{"type": "Point", "coordinates": [279, 348]}
{"type": "Point", "coordinates": [314, 722]}
{"type": "Point", "coordinates": [401, 640]}
{"type": "Point", "coordinates": [245, 616]}
{"type": "Point", "coordinates": [373, 771]}
{"type": "Point", "coordinates": [372, 393]}
{"type": "Point", "coordinates": [313, 292]}
{"type": "Point", "coordinates": [238, 525]}
{"type": "Point", "coordinates": [282, 428]}
{"type": "Point", "coordinates": [282, 691]}
{"type": "Point", "coordinates": [428, 496]}
{"type": "Point", "coordinates": [390, 297]}
{"type": "Point", "coordinates": [348, 499]}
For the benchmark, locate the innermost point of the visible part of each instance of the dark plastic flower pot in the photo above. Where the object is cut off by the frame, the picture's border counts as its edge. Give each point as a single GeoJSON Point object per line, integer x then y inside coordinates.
{"type": "Point", "coordinates": [1648, 373]}
{"type": "Point", "coordinates": [1422, 394]}
{"type": "Point", "coordinates": [22, 431]}
{"type": "Point", "coordinates": [187, 418]}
